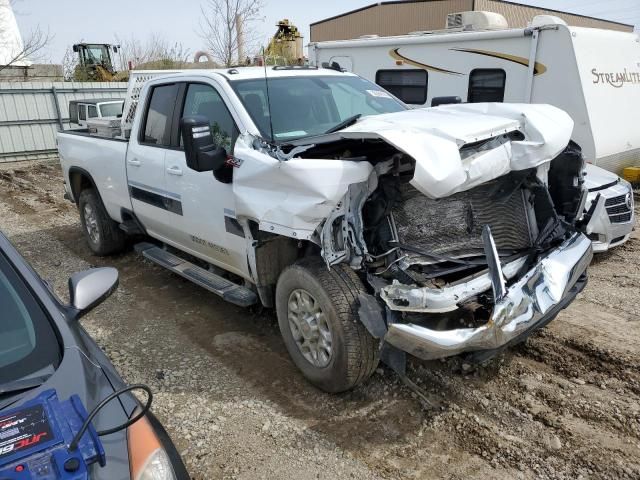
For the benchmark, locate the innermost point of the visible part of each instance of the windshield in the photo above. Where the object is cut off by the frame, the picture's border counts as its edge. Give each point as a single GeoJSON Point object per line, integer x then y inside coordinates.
{"type": "Point", "coordinates": [111, 109]}
{"type": "Point", "coordinates": [97, 54]}
{"type": "Point", "coordinates": [304, 106]}
{"type": "Point", "coordinates": [27, 340]}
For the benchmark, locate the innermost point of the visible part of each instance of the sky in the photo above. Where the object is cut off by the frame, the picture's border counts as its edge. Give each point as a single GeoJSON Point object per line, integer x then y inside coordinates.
{"type": "Point", "coordinates": [73, 21]}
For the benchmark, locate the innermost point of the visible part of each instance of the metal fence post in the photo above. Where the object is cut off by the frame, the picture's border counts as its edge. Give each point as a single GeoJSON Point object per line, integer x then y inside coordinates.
{"type": "Point", "coordinates": [57, 105]}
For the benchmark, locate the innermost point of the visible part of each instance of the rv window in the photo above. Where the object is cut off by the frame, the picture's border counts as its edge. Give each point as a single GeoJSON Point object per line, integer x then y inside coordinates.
{"type": "Point", "coordinates": [410, 86]}
{"type": "Point", "coordinates": [82, 112]}
{"type": "Point", "coordinates": [486, 85]}
{"type": "Point", "coordinates": [93, 111]}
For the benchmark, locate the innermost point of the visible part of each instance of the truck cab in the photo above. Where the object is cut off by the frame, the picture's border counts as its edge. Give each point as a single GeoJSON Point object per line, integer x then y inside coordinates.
{"type": "Point", "coordinates": [80, 111]}
{"type": "Point", "coordinates": [373, 230]}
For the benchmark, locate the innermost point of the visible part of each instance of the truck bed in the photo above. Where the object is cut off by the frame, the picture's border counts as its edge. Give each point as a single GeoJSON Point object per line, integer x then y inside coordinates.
{"type": "Point", "coordinates": [103, 161]}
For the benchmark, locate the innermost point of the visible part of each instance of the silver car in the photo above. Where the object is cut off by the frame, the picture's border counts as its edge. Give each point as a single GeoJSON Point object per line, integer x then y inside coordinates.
{"type": "Point", "coordinates": [609, 209]}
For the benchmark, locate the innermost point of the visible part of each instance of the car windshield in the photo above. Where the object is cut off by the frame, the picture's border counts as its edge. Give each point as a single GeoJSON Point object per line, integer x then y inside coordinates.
{"type": "Point", "coordinates": [27, 340]}
{"type": "Point", "coordinates": [312, 105]}
{"type": "Point", "coordinates": [111, 109]}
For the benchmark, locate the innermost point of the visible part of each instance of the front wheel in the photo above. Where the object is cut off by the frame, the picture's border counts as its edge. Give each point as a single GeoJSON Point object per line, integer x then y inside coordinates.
{"type": "Point", "coordinates": [102, 233]}
{"type": "Point", "coordinates": [318, 317]}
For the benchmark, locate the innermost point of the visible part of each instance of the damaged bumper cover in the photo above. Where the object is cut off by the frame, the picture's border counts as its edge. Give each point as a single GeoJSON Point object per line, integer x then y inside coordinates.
{"type": "Point", "coordinates": [529, 303]}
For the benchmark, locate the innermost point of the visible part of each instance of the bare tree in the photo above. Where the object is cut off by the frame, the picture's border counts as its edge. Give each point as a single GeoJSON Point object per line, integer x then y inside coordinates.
{"type": "Point", "coordinates": [156, 50]}
{"type": "Point", "coordinates": [69, 63]}
{"type": "Point", "coordinates": [226, 28]}
{"type": "Point", "coordinates": [35, 42]}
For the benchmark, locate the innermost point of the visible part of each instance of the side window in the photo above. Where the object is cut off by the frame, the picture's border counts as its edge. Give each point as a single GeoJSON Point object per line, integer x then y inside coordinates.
{"type": "Point", "coordinates": [486, 85]}
{"type": "Point", "coordinates": [93, 111]}
{"type": "Point", "coordinates": [157, 123]}
{"type": "Point", "coordinates": [82, 112]}
{"type": "Point", "coordinates": [205, 100]}
{"type": "Point", "coordinates": [410, 86]}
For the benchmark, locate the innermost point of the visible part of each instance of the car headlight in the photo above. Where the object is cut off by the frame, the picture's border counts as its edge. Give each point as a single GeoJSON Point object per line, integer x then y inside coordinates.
{"type": "Point", "coordinates": [148, 460]}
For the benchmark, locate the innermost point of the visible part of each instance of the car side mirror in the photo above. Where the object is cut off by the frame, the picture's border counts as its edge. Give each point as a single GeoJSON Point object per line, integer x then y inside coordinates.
{"type": "Point", "coordinates": [445, 100]}
{"type": "Point", "coordinates": [202, 154]}
{"type": "Point", "coordinates": [90, 288]}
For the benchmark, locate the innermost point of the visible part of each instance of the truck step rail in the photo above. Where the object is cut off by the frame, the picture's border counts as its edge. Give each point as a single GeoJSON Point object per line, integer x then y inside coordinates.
{"type": "Point", "coordinates": [229, 291]}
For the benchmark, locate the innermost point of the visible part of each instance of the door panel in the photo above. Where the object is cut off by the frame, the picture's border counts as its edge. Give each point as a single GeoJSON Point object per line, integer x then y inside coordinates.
{"type": "Point", "coordinates": [154, 205]}
{"type": "Point", "coordinates": [208, 225]}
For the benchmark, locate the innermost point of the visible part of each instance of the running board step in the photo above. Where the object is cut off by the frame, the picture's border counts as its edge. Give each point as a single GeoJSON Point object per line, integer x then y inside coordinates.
{"type": "Point", "coordinates": [229, 291]}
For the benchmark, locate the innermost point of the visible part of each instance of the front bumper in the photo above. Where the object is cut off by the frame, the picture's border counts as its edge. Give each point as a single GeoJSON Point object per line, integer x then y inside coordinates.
{"type": "Point", "coordinates": [605, 227]}
{"type": "Point", "coordinates": [529, 303]}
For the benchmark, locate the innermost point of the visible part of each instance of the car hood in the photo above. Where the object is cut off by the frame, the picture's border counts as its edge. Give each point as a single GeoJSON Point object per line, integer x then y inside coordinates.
{"type": "Point", "coordinates": [597, 177]}
{"type": "Point", "coordinates": [433, 138]}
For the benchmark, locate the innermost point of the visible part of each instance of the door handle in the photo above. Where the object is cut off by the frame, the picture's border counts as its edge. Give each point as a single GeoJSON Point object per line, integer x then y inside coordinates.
{"type": "Point", "coordinates": [174, 171]}
{"type": "Point", "coordinates": [134, 162]}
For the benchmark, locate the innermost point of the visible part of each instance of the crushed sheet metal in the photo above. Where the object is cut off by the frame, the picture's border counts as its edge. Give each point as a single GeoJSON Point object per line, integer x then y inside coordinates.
{"type": "Point", "coordinates": [433, 137]}
{"type": "Point", "coordinates": [526, 304]}
{"type": "Point", "coordinates": [297, 195]}
{"type": "Point", "coordinates": [407, 298]}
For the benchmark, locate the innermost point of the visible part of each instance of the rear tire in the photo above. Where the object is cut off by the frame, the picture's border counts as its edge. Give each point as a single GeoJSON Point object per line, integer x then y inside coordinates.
{"type": "Point", "coordinates": [345, 352]}
{"type": "Point", "coordinates": [103, 235]}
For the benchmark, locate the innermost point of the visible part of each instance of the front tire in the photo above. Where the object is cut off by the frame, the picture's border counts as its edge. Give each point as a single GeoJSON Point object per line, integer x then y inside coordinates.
{"type": "Point", "coordinates": [102, 234]}
{"type": "Point", "coordinates": [318, 317]}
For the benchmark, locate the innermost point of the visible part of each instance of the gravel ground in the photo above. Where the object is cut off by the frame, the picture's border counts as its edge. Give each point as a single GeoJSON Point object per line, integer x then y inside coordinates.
{"type": "Point", "coordinates": [564, 405]}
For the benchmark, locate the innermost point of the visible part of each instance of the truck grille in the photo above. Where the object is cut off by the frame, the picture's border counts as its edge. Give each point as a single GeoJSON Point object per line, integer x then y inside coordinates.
{"type": "Point", "coordinates": [453, 225]}
{"type": "Point", "coordinates": [618, 208]}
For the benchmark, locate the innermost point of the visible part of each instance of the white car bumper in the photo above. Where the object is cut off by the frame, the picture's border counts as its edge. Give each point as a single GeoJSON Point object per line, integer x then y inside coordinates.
{"type": "Point", "coordinates": [612, 217]}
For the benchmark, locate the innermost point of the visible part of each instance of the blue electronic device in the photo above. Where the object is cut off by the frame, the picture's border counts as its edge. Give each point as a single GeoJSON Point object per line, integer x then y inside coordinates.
{"type": "Point", "coordinates": [35, 438]}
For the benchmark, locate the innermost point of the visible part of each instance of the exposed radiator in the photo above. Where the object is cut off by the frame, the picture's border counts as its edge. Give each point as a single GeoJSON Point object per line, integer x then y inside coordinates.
{"type": "Point", "coordinates": [453, 225]}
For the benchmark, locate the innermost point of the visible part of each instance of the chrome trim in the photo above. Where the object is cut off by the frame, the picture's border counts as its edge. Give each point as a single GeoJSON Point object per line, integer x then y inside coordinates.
{"type": "Point", "coordinates": [526, 303]}
{"type": "Point", "coordinates": [409, 298]}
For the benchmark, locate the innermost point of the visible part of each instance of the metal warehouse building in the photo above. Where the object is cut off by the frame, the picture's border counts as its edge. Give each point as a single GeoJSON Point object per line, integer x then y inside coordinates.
{"type": "Point", "coordinates": [401, 17]}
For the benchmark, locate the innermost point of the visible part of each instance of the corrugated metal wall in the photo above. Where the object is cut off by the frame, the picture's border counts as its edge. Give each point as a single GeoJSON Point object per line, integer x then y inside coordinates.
{"type": "Point", "coordinates": [520, 15]}
{"type": "Point", "coordinates": [393, 19]}
{"type": "Point", "coordinates": [32, 112]}
{"type": "Point", "coordinates": [398, 18]}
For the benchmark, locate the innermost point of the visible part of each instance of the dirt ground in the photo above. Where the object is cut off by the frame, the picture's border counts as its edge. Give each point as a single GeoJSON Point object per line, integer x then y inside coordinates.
{"type": "Point", "coordinates": [564, 405]}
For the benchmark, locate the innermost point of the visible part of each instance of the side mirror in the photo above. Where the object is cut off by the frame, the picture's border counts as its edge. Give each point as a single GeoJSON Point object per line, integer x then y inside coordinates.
{"type": "Point", "coordinates": [435, 101]}
{"type": "Point", "coordinates": [76, 49]}
{"type": "Point", "coordinates": [90, 288]}
{"type": "Point", "coordinates": [202, 154]}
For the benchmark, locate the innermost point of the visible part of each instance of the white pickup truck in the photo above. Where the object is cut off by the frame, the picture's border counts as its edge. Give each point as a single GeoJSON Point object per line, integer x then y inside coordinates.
{"type": "Point", "coordinates": [373, 230]}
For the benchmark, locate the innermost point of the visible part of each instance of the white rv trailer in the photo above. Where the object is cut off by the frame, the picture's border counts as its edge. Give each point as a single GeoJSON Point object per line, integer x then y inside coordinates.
{"type": "Point", "coordinates": [592, 74]}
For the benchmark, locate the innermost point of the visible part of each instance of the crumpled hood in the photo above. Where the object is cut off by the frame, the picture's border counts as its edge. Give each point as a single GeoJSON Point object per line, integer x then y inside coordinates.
{"type": "Point", "coordinates": [433, 137]}
{"type": "Point", "coordinates": [295, 196]}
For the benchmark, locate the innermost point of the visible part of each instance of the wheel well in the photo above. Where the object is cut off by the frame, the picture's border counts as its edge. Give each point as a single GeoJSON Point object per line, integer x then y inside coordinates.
{"type": "Point", "coordinates": [80, 180]}
{"type": "Point", "coordinates": [273, 254]}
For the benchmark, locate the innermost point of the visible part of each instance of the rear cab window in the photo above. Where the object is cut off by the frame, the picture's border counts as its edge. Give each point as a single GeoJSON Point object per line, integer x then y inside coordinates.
{"type": "Point", "coordinates": [156, 127]}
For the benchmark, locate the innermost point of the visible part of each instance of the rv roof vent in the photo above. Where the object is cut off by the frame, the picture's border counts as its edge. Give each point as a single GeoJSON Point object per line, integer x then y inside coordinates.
{"type": "Point", "coordinates": [477, 21]}
{"type": "Point", "coordinates": [454, 20]}
{"type": "Point", "coordinates": [364, 37]}
{"type": "Point", "coordinates": [542, 20]}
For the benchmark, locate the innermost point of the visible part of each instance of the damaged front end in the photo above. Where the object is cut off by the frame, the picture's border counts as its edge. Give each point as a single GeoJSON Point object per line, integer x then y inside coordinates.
{"type": "Point", "coordinates": [462, 263]}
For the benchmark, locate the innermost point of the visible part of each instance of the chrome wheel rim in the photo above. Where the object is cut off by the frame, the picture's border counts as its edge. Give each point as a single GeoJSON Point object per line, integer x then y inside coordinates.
{"type": "Point", "coordinates": [91, 223]}
{"type": "Point", "coordinates": [310, 328]}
